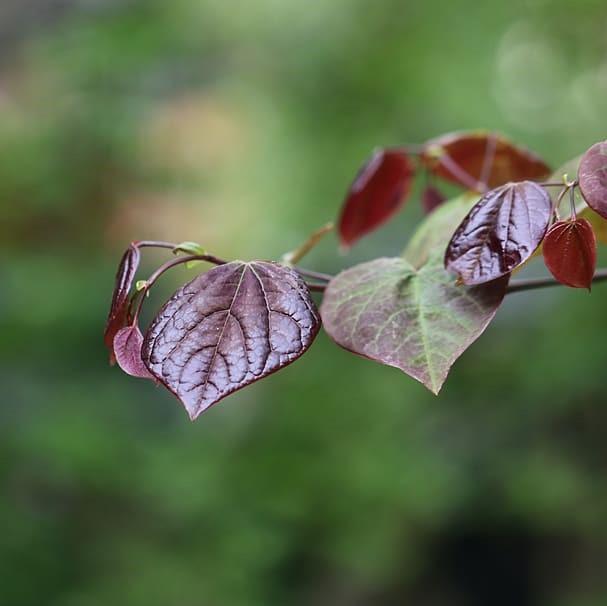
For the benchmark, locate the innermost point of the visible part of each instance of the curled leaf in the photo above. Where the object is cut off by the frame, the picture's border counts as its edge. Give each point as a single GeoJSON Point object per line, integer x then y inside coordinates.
{"type": "Point", "coordinates": [378, 191]}
{"type": "Point", "coordinates": [414, 319]}
{"type": "Point", "coordinates": [431, 198]}
{"type": "Point", "coordinates": [570, 252]}
{"type": "Point", "coordinates": [227, 328]}
{"type": "Point", "coordinates": [118, 314]}
{"type": "Point", "coordinates": [486, 157]}
{"type": "Point", "coordinates": [592, 176]}
{"type": "Point", "coordinates": [127, 349]}
{"type": "Point", "coordinates": [500, 232]}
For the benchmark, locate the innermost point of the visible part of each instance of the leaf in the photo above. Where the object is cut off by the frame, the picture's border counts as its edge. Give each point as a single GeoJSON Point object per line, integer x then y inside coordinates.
{"type": "Point", "coordinates": [118, 314]}
{"type": "Point", "coordinates": [189, 248]}
{"type": "Point", "coordinates": [227, 328]}
{"type": "Point", "coordinates": [470, 150]}
{"type": "Point", "coordinates": [500, 232]}
{"type": "Point", "coordinates": [378, 191]}
{"type": "Point", "coordinates": [592, 176]}
{"type": "Point", "coordinates": [570, 252]}
{"type": "Point", "coordinates": [432, 198]}
{"type": "Point", "coordinates": [127, 348]}
{"type": "Point", "coordinates": [599, 225]}
{"type": "Point", "coordinates": [435, 231]}
{"type": "Point", "coordinates": [415, 320]}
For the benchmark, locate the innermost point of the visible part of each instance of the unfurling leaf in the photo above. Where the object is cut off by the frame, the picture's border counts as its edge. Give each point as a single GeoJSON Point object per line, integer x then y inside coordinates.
{"type": "Point", "coordinates": [379, 190]}
{"type": "Point", "coordinates": [227, 328]}
{"type": "Point", "coordinates": [482, 155]}
{"type": "Point", "coordinates": [127, 349]}
{"type": "Point", "coordinates": [570, 252]}
{"type": "Point", "coordinates": [500, 232]}
{"type": "Point", "coordinates": [432, 198]}
{"type": "Point", "coordinates": [592, 176]}
{"type": "Point", "coordinates": [118, 314]}
{"type": "Point", "coordinates": [415, 320]}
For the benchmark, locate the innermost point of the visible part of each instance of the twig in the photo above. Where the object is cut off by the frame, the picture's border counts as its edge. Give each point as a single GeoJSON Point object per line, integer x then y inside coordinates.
{"type": "Point", "coordinates": [314, 238]}
{"type": "Point", "coordinates": [533, 283]}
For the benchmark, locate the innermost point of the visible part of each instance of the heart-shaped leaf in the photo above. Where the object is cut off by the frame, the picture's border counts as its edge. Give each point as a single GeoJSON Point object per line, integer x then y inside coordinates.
{"type": "Point", "coordinates": [127, 349]}
{"type": "Point", "coordinates": [118, 314]}
{"type": "Point", "coordinates": [378, 191]}
{"type": "Point", "coordinates": [485, 157]}
{"type": "Point", "coordinates": [592, 176]}
{"type": "Point", "coordinates": [415, 320]}
{"type": "Point", "coordinates": [432, 198]}
{"type": "Point", "coordinates": [227, 328]}
{"type": "Point", "coordinates": [570, 252]}
{"type": "Point", "coordinates": [500, 232]}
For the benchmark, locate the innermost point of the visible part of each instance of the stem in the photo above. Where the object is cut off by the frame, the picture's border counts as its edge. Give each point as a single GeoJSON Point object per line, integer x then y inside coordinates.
{"type": "Point", "coordinates": [316, 287]}
{"type": "Point", "coordinates": [153, 244]}
{"type": "Point", "coordinates": [314, 238]}
{"type": "Point", "coordinates": [315, 275]}
{"type": "Point", "coordinates": [533, 283]}
{"type": "Point", "coordinates": [165, 267]}
{"type": "Point", "coordinates": [572, 203]}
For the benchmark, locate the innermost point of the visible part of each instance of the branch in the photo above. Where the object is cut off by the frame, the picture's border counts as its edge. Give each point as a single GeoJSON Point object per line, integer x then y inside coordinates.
{"type": "Point", "coordinates": [533, 283]}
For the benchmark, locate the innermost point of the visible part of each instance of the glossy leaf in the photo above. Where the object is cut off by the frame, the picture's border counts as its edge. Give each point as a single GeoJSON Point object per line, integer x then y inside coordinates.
{"type": "Point", "coordinates": [432, 198]}
{"type": "Point", "coordinates": [570, 252]}
{"type": "Point", "coordinates": [599, 224]}
{"type": "Point", "coordinates": [592, 176]}
{"type": "Point", "coordinates": [435, 231]}
{"type": "Point", "coordinates": [379, 190]}
{"type": "Point", "coordinates": [127, 349]}
{"type": "Point", "coordinates": [118, 314]}
{"type": "Point", "coordinates": [416, 320]}
{"type": "Point", "coordinates": [227, 328]}
{"type": "Point", "coordinates": [500, 232]}
{"type": "Point", "coordinates": [482, 155]}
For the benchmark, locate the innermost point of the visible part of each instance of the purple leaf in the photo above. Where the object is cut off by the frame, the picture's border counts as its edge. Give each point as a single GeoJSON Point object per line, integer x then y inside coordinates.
{"type": "Point", "coordinates": [414, 319]}
{"type": "Point", "coordinates": [117, 317]}
{"type": "Point", "coordinates": [592, 175]}
{"type": "Point", "coordinates": [227, 328]}
{"type": "Point", "coordinates": [500, 232]}
{"type": "Point", "coordinates": [127, 349]}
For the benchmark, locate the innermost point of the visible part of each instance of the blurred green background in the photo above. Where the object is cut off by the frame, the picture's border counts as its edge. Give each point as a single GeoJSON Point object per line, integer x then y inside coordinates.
{"type": "Point", "coordinates": [337, 481]}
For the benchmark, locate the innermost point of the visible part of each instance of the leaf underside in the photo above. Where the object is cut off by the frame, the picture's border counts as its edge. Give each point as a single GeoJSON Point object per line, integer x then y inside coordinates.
{"type": "Point", "coordinates": [415, 320]}
{"type": "Point", "coordinates": [483, 155]}
{"type": "Point", "coordinates": [227, 328]}
{"type": "Point", "coordinates": [593, 178]}
{"type": "Point", "coordinates": [127, 349]}
{"type": "Point", "coordinates": [500, 232]}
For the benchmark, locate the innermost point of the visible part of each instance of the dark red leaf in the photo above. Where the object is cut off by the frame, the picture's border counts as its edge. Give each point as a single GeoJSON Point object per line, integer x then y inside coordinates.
{"type": "Point", "coordinates": [379, 190]}
{"type": "Point", "coordinates": [117, 317]}
{"type": "Point", "coordinates": [502, 230]}
{"type": "Point", "coordinates": [482, 155]}
{"type": "Point", "coordinates": [592, 176]}
{"type": "Point", "coordinates": [127, 349]}
{"type": "Point", "coordinates": [431, 198]}
{"type": "Point", "coordinates": [227, 328]}
{"type": "Point", "coordinates": [570, 252]}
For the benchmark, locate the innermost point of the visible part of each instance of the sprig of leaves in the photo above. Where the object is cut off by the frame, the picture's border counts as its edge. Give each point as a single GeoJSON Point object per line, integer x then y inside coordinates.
{"type": "Point", "coordinates": [241, 321]}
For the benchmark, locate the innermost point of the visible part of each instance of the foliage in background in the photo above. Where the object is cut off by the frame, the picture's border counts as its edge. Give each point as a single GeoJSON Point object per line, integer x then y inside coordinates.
{"type": "Point", "coordinates": [330, 483]}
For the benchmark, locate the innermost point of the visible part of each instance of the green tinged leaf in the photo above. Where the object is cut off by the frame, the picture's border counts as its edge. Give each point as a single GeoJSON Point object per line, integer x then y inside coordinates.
{"type": "Point", "coordinates": [189, 248]}
{"type": "Point", "coordinates": [416, 320]}
{"type": "Point", "coordinates": [436, 230]}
